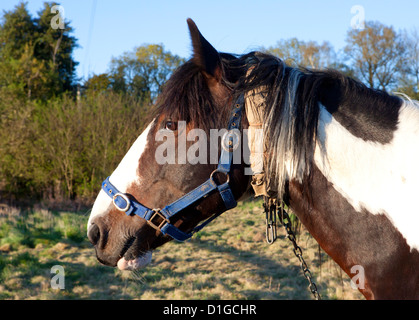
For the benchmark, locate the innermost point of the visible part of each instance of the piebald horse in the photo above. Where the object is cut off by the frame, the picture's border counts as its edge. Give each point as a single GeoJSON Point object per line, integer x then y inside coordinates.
{"type": "Point", "coordinates": [344, 157]}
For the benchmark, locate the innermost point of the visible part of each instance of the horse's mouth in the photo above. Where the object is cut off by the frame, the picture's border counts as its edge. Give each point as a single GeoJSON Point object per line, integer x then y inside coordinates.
{"type": "Point", "coordinates": [130, 259]}
{"type": "Point", "coordinates": [136, 263]}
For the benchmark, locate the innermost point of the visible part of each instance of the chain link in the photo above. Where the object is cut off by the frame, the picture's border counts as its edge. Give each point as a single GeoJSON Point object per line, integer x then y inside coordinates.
{"type": "Point", "coordinates": [286, 222]}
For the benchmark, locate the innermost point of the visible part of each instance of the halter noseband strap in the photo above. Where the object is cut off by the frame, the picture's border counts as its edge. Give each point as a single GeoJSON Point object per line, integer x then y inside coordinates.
{"type": "Point", "coordinates": [159, 219]}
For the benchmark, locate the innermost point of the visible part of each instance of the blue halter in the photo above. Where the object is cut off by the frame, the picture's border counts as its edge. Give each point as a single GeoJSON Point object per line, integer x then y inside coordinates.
{"type": "Point", "coordinates": [159, 219]}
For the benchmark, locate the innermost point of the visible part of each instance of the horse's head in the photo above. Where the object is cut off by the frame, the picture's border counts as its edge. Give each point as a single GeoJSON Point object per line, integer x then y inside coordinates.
{"type": "Point", "coordinates": [176, 153]}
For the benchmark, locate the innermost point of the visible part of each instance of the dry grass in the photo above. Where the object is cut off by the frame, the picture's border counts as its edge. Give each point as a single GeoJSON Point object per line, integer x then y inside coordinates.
{"type": "Point", "coordinates": [228, 260]}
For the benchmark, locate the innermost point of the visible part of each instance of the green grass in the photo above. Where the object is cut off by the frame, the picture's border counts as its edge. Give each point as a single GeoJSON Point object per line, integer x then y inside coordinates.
{"type": "Point", "coordinates": [30, 228]}
{"type": "Point", "coordinates": [229, 259]}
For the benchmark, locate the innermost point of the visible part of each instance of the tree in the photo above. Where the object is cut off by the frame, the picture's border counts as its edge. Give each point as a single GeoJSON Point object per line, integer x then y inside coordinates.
{"type": "Point", "coordinates": [56, 46]}
{"type": "Point", "coordinates": [409, 79]}
{"type": "Point", "coordinates": [98, 83]}
{"type": "Point", "coordinates": [35, 59]}
{"type": "Point", "coordinates": [377, 54]}
{"type": "Point", "coordinates": [287, 50]}
{"type": "Point", "coordinates": [317, 56]}
{"type": "Point", "coordinates": [16, 30]}
{"type": "Point", "coordinates": [16, 49]}
{"type": "Point", "coordinates": [143, 72]}
{"type": "Point", "coordinates": [306, 54]}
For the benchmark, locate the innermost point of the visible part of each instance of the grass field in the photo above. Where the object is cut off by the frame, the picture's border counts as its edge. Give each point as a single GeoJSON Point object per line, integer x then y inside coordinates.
{"type": "Point", "coordinates": [227, 260]}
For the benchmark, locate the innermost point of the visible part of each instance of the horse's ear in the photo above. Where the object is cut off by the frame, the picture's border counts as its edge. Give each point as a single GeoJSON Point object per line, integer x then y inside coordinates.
{"type": "Point", "coordinates": [204, 54]}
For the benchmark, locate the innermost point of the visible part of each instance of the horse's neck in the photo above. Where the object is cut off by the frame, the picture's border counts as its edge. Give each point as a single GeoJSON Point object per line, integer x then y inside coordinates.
{"type": "Point", "coordinates": [381, 178]}
{"type": "Point", "coordinates": [359, 203]}
{"type": "Point", "coordinates": [357, 239]}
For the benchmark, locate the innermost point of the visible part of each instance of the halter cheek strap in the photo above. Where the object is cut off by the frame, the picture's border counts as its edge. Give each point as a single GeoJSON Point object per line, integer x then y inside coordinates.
{"type": "Point", "coordinates": [159, 219]}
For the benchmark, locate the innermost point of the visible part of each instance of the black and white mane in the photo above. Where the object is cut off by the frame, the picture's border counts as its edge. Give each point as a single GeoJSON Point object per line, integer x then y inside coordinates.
{"type": "Point", "coordinates": [293, 100]}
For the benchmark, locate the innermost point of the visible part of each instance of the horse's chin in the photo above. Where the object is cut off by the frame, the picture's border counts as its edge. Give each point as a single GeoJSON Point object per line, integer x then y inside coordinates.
{"type": "Point", "coordinates": [135, 264]}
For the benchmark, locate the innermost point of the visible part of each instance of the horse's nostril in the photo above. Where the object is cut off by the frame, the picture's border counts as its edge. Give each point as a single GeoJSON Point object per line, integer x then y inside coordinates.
{"type": "Point", "coordinates": [94, 234]}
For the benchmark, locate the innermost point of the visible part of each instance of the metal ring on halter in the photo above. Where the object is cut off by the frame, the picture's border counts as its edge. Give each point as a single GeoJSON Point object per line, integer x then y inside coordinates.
{"type": "Point", "coordinates": [224, 173]}
{"type": "Point", "coordinates": [123, 196]}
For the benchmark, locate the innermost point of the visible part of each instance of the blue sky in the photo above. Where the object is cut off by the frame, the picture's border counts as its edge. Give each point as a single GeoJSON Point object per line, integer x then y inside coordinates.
{"type": "Point", "coordinates": [107, 28]}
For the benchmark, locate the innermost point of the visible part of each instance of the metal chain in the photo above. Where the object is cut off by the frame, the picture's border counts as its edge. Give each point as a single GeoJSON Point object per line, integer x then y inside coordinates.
{"type": "Point", "coordinates": [270, 207]}
{"type": "Point", "coordinates": [286, 222]}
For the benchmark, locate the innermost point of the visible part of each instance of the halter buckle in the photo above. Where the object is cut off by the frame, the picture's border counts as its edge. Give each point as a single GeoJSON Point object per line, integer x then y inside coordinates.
{"type": "Point", "coordinates": [123, 196]}
{"type": "Point", "coordinates": [161, 224]}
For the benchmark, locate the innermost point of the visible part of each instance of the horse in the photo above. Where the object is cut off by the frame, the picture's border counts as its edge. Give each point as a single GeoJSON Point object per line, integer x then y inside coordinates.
{"type": "Point", "coordinates": [342, 156]}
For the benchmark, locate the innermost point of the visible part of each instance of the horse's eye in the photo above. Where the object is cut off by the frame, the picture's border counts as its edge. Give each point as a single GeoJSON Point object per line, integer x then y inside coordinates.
{"type": "Point", "coordinates": [171, 125]}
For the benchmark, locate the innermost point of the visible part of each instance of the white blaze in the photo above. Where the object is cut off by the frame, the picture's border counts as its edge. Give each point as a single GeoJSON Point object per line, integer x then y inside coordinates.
{"type": "Point", "coordinates": [124, 175]}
